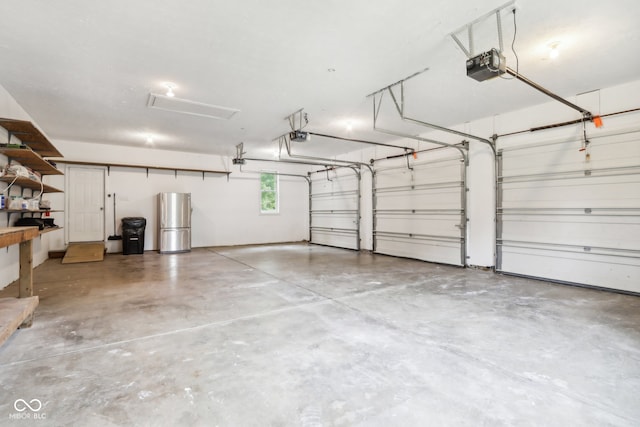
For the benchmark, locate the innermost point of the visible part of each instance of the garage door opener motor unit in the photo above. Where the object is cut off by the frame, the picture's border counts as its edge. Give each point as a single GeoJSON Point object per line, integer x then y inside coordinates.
{"type": "Point", "coordinates": [299, 136]}
{"type": "Point", "coordinates": [487, 65]}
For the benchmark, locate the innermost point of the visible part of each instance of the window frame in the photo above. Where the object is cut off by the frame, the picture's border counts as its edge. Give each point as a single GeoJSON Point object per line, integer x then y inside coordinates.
{"type": "Point", "coordinates": [275, 211]}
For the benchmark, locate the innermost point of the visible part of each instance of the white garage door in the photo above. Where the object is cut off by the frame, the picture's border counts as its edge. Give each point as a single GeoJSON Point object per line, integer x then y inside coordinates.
{"type": "Point", "coordinates": [335, 208]}
{"type": "Point", "coordinates": [572, 218]}
{"type": "Point", "coordinates": [419, 212]}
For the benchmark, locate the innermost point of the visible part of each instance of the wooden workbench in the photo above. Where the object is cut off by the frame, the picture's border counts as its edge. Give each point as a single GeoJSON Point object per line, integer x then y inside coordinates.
{"type": "Point", "coordinates": [16, 312]}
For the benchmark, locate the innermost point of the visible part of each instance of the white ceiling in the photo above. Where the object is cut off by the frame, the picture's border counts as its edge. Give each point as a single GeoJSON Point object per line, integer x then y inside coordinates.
{"type": "Point", "coordinates": [83, 70]}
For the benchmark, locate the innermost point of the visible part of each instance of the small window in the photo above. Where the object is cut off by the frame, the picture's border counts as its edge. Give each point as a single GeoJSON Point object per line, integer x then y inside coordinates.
{"type": "Point", "coordinates": [268, 193]}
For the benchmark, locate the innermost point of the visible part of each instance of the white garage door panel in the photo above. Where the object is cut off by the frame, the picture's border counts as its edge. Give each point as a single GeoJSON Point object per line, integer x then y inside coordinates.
{"type": "Point", "coordinates": [336, 239]}
{"type": "Point", "coordinates": [587, 192]}
{"type": "Point", "coordinates": [564, 217]}
{"type": "Point", "coordinates": [436, 172]}
{"type": "Point", "coordinates": [336, 220]}
{"type": "Point", "coordinates": [443, 252]}
{"type": "Point", "coordinates": [597, 231]}
{"type": "Point", "coordinates": [442, 198]}
{"type": "Point", "coordinates": [399, 177]}
{"type": "Point", "coordinates": [341, 201]}
{"type": "Point", "coordinates": [606, 152]}
{"type": "Point", "coordinates": [434, 225]}
{"type": "Point", "coordinates": [590, 269]}
{"type": "Point", "coordinates": [419, 213]}
{"type": "Point", "coordinates": [336, 181]}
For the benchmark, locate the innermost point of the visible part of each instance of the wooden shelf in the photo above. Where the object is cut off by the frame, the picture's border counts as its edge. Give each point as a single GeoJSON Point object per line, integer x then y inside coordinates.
{"type": "Point", "coordinates": [30, 136]}
{"type": "Point", "coordinates": [28, 211]}
{"type": "Point", "coordinates": [29, 183]}
{"type": "Point", "coordinates": [18, 312]}
{"type": "Point", "coordinates": [29, 158]}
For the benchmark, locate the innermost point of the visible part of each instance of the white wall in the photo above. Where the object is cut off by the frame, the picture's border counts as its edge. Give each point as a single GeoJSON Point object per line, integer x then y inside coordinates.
{"type": "Point", "coordinates": [224, 212]}
{"type": "Point", "coordinates": [9, 261]}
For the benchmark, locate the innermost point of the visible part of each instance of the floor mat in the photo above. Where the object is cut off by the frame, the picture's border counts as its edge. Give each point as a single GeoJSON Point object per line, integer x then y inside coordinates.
{"type": "Point", "coordinates": [84, 252]}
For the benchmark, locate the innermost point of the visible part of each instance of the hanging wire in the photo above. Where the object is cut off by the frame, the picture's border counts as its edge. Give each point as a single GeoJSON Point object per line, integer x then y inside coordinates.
{"type": "Point", "coordinates": [513, 48]}
{"type": "Point", "coordinates": [11, 184]}
{"type": "Point", "coordinates": [41, 191]}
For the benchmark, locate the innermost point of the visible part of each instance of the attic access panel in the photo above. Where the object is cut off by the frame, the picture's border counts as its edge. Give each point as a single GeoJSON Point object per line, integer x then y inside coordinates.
{"type": "Point", "coordinates": [185, 106]}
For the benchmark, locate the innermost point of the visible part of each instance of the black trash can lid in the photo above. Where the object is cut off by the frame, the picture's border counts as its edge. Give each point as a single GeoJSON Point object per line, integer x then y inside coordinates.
{"type": "Point", "coordinates": [134, 221]}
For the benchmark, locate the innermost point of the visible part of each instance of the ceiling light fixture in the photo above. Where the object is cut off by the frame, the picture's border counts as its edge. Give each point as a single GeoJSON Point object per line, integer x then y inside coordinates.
{"type": "Point", "coordinates": [170, 87]}
{"type": "Point", "coordinates": [149, 140]}
{"type": "Point", "coordinates": [553, 50]}
{"type": "Point", "coordinates": [349, 126]}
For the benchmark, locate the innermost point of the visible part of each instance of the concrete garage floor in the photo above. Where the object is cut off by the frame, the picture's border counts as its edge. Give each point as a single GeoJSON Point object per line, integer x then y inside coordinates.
{"type": "Point", "coordinates": [308, 335]}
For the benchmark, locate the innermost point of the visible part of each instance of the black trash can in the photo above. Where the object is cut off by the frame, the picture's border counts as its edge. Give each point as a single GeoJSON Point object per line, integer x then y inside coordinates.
{"type": "Point", "coordinates": [133, 235]}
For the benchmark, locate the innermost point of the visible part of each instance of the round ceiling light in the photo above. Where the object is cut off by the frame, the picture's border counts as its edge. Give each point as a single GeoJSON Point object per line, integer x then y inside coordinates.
{"type": "Point", "coordinates": [553, 49]}
{"type": "Point", "coordinates": [170, 87]}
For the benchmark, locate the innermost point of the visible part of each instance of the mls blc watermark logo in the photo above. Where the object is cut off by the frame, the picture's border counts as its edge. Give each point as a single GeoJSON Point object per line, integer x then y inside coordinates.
{"type": "Point", "coordinates": [30, 410]}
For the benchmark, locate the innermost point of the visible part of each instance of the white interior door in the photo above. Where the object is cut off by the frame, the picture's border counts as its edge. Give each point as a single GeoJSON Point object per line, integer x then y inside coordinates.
{"type": "Point", "coordinates": [86, 204]}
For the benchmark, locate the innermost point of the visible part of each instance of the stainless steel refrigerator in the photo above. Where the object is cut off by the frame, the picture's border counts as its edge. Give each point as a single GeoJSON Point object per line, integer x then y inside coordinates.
{"type": "Point", "coordinates": [175, 222]}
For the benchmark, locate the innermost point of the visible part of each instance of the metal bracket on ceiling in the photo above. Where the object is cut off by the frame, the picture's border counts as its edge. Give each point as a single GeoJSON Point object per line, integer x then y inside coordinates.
{"type": "Point", "coordinates": [240, 150]}
{"type": "Point", "coordinates": [284, 140]}
{"type": "Point", "coordinates": [377, 105]}
{"type": "Point", "coordinates": [298, 116]}
{"type": "Point", "coordinates": [238, 159]}
{"type": "Point", "coordinates": [400, 108]}
{"type": "Point", "coordinates": [468, 29]}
